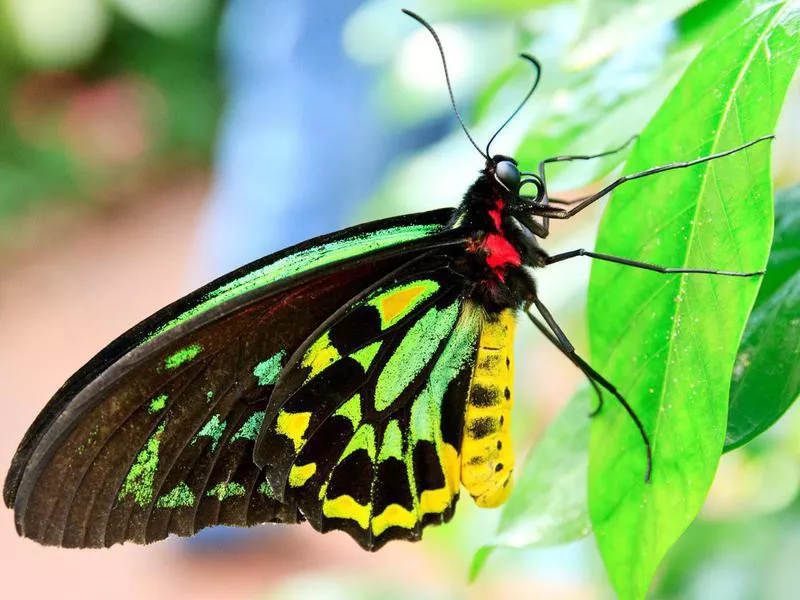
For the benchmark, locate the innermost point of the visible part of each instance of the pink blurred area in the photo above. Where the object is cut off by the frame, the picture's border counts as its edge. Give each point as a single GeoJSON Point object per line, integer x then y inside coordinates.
{"type": "Point", "coordinates": [109, 123]}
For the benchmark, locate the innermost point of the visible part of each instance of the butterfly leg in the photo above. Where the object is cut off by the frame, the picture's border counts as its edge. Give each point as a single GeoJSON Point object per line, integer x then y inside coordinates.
{"type": "Point", "coordinates": [642, 265]}
{"type": "Point", "coordinates": [555, 334]}
{"type": "Point", "coordinates": [573, 157]}
{"type": "Point", "coordinates": [540, 180]}
{"type": "Point", "coordinates": [564, 345]}
{"type": "Point", "coordinates": [543, 208]}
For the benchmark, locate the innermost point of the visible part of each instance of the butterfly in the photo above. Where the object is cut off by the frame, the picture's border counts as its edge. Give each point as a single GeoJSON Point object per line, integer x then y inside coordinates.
{"type": "Point", "coordinates": [356, 381]}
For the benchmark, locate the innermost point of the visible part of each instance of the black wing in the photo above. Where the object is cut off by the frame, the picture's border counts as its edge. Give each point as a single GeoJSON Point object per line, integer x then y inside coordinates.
{"type": "Point", "coordinates": [155, 434]}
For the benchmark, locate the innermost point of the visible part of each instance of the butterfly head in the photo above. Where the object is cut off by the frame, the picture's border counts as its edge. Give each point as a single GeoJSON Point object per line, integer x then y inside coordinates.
{"type": "Point", "coordinates": [505, 172]}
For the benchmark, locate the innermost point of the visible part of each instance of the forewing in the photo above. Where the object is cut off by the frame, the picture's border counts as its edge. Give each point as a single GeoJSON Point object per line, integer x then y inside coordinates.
{"type": "Point", "coordinates": [363, 429]}
{"type": "Point", "coordinates": [155, 435]}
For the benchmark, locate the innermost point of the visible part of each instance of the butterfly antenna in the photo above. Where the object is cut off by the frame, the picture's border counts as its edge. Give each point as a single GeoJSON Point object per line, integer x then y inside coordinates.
{"type": "Point", "coordinates": [427, 26]}
{"type": "Point", "coordinates": [527, 97]}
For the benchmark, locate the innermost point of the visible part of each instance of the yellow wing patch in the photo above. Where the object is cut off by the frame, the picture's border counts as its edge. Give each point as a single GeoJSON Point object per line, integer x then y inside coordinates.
{"type": "Point", "coordinates": [300, 474]}
{"type": "Point", "coordinates": [436, 501]}
{"type": "Point", "coordinates": [293, 426]}
{"type": "Point", "coordinates": [393, 515]}
{"type": "Point", "coordinates": [320, 355]}
{"type": "Point", "coordinates": [345, 507]}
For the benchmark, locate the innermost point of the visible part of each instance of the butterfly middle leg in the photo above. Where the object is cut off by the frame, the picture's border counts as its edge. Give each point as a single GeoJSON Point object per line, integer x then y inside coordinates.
{"type": "Point", "coordinates": [556, 258]}
{"type": "Point", "coordinates": [553, 332]}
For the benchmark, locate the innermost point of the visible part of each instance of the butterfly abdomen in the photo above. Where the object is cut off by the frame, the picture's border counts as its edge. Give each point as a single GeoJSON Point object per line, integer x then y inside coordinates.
{"type": "Point", "coordinates": [487, 457]}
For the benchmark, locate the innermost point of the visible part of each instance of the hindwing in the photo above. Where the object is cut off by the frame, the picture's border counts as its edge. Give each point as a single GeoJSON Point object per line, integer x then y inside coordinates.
{"type": "Point", "coordinates": [364, 427]}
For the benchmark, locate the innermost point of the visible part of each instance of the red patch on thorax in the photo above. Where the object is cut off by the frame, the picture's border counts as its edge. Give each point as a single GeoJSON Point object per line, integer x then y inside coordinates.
{"type": "Point", "coordinates": [499, 251]}
{"type": "Point", "coordinates": [495, 216]}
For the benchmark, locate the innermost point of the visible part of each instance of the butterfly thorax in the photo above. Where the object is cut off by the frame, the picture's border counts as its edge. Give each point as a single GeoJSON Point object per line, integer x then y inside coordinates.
{"type": "Point", "coordinates": [494, 261]}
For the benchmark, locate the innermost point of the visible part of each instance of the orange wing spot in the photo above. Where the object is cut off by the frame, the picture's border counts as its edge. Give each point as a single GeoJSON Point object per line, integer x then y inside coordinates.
{"type": "Point", "coordinates": [397, 303]}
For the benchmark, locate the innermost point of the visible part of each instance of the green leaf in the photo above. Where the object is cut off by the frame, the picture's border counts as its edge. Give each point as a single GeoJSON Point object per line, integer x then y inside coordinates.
{"type": "Point", "coordinates": [669, 341]}
{"type": "Point", "coordinates": [766, 377]}
{"type": "Point", "coordinates": [548, 504]}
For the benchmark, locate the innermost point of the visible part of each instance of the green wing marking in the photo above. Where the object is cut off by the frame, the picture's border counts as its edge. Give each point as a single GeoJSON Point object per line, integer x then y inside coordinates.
{"type": "Point", "coordinates": [366, 355]}
{"type": "Point", "coordinates": [364, 426]}
{"type": "Point", "coordinates": [414, 352]}
{"type": "Point", "coordinates": [249, 431]}
{"type": "Point", "coordinates": [351, 410]}
{"type": "Point", "coordinates": [184, 355]}
{"type": "Point", "coordinates": [266, 372]}
{"type": "Point", "coordinates": [138, 482]}
{"type": "Point", "coordinates": [227, 489]}
{"type": "Point", "coordinates": [305, 260]}
{"type": "Point", "coordinates": [180, 496]}
{"type": "Point", "coordinates": [214, 428]}
{"type": "Point", "coordinates": [158, 403]}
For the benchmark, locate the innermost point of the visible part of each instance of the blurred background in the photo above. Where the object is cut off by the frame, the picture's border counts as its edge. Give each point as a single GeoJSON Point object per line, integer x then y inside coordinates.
{"type": "Point", "coordinates": [146, 147]}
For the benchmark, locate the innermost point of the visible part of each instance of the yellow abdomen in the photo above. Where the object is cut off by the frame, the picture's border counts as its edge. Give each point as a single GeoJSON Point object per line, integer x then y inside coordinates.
{"type": "Point", "coordinates": [487, 458]}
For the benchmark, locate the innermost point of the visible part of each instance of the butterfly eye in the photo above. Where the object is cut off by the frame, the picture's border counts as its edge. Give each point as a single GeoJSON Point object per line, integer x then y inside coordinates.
{"type": "Point", "coordinates": [507, 173]}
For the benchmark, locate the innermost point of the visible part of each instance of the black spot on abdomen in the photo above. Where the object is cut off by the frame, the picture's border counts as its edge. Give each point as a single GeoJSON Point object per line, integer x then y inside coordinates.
{"type": "Point", "coordinates": [482, 427]}
{"type": "Point", "coordinates": [482, 396]}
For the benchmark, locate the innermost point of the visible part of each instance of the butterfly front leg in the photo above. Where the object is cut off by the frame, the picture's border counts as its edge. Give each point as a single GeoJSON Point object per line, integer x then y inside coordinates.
{"type": "Point", "coordinates": [523, 230]}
